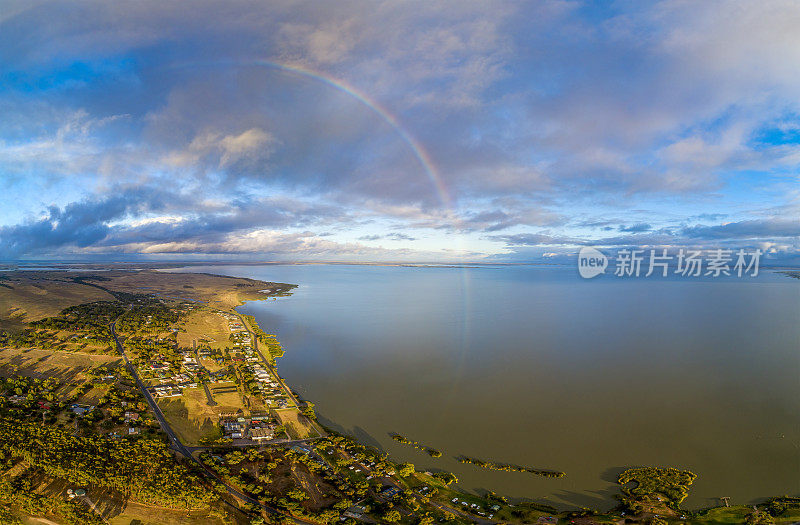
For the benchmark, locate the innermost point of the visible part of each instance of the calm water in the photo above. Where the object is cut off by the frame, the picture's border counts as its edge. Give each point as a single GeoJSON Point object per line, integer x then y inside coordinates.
{"type": "Point", "coordinates": [535, 366]}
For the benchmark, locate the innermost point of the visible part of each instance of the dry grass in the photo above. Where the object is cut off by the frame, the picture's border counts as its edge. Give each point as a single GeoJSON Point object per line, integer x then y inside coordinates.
{"type": "Point", "coordinates": [187, 420]}
{"type": "Point", "coordinates": [29, 296]}
{"type": "Point", "coordinates": [216, 290]}
{"type": "Point", "coordinates": [192, 418]}
{"type": "Point", "coordinates": [67, 367]}
{"type": "Point", "coordinates": [300, 427]}
{"type": "Point", "coordinates": [202, 325]}
{"type": "Point", "coordinates": [137, 514]}
{"type": "Point", "coordinates": [211, 365]}
{"type": "Point", "coordinates": [229, 402]}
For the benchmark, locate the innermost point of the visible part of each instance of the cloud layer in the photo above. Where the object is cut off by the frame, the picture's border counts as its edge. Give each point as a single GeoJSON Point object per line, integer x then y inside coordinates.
{"type": "Point", "coordinates": [363, 130]}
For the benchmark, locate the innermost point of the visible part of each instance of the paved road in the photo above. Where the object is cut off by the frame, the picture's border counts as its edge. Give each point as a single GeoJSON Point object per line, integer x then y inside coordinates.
{"type": "Point", "coordinates": [274, 370]}
{"type": "Point", "coordinates": [176, 443]}
{"type": "Point", "coordinates": [283, 443]}
{"type": "Point", "coordinates": [210, 399]}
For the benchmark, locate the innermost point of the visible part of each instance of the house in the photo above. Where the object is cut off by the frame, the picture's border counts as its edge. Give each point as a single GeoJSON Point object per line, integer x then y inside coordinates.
{"type": "Point", "coordinates": [131, 416]}
{"type": "Point", "coordinates": [232, 428]}
{"type": "Point", "coordinates": [76, 493]}
{"type": "Point", "coordinates": [389, 493]}
{"type": "Point", "coordinates": [262, 434]}
{"type": "Point", "coordinates": [355, 512]}
{"type": "Point", "coordinates": [80, 410]}
{"type": "Point", "coordinates": [159, 366]}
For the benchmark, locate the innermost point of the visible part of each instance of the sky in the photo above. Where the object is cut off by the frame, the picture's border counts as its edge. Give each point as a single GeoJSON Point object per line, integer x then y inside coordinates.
{"type": "Point", "coordinates": [397, 131]}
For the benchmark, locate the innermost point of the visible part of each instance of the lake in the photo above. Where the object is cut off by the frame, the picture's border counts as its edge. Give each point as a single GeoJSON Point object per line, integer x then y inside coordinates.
{"type": "Point", "coordinates": [535, 366]}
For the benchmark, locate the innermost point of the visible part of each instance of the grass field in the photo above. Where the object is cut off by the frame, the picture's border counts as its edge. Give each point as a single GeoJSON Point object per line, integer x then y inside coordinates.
{"type": "Point", "coordinates": [190, 416]}
{"type": "Point", "coordinates": [29, 296]}
{"type": "Point", "coordinates": [219, 291]}
{"type": "Point", "coordinates": [298, 425]}
{"type": "Point", "coordinates": [211, 365]}
{"type": "Point", "coordinates": [137, 514]}
{"type": "Point", "coordinates": [737, 514]}
{"type": "Point", "coordinates": [203, 325]}
{"type": "Point", "coordinates": [67, 367]}
{"type": "Point", "coordinates": [228, 402]}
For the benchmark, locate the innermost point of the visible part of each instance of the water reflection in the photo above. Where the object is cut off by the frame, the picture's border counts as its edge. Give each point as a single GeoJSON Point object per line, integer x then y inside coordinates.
{"type": "Point", "coordinates": [534, 366]}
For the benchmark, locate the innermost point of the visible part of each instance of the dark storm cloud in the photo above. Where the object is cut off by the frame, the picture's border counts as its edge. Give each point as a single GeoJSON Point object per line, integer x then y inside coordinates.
{"type": "Point", "coordinates": [97, 222]}
{"type": "Point", "coordinates": [79, 224]}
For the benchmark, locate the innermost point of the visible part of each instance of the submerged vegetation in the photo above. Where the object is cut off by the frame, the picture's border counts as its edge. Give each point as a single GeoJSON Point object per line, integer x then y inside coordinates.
{"type": "Point", "coordinates": [671, 483]}
{"type": "Point", "coordinates": [274, 348]}
{"type": "Point", "coordinates": [432, 452]}
{"type": "Point", "coordinates": [508, 467]}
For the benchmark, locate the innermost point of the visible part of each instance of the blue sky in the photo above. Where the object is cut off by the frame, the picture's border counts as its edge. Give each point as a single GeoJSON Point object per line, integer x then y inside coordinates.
{"type": "Point", "coordinates": [389, 131]}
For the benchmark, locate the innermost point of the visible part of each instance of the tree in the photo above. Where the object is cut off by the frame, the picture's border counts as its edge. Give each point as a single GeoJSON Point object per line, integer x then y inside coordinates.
{"type": "Point", "coordinates": [405, 469]}
{"type": "Point", "coordinates": [308, 410]}
{"type": "Point", "coordinates": [758, 518]}
{"type": "Point", "coordinates": [392, 516]}
{"type": "Point", "coordinates": [297, 494]}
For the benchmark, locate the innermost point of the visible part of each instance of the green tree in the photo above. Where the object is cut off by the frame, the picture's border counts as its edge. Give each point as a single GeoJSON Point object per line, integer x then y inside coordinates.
{"type": "Point", "coordinates": [758, 518]}
{"type": "Point", "coordinates": [405, 469]}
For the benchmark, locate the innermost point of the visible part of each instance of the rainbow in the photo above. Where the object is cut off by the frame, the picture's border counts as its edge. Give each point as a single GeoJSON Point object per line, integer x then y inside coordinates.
{"type": "Point", "coordinates": [419, 151]}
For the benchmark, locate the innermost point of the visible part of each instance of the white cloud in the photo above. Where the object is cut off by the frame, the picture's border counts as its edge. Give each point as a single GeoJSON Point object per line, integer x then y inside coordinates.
{"type": "Point", "coordinates": [225, 150]}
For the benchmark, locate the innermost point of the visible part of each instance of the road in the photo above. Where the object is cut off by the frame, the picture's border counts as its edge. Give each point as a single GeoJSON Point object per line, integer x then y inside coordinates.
{"type": "Point", "coordinates": [466, 515]}
{"type": "Point", "coordinates": [272, 369]}
{"type": "Point", "coordinates": [209, 397]}
{"type": "Point", "coordinates": [176, 443]}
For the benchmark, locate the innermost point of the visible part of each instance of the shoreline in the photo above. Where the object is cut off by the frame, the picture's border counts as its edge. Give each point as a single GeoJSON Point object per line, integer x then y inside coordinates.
{"type": "Point", "coordinates": [562, 508]}
{"type": "Point", "coordinates": [225, 296]}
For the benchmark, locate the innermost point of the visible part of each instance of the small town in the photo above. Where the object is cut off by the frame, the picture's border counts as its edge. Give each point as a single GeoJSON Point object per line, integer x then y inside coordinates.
{"type": "Point", "coordinates": [222, 376]}
{"type": "Point", "coordinates": [169, 402]}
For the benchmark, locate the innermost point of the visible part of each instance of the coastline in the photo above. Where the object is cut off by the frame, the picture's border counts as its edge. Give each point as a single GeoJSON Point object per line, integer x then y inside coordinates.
{"type": "Point", "coordinates": [349, 449]}
{"type": "Point", "coordinates": [699, 509]}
